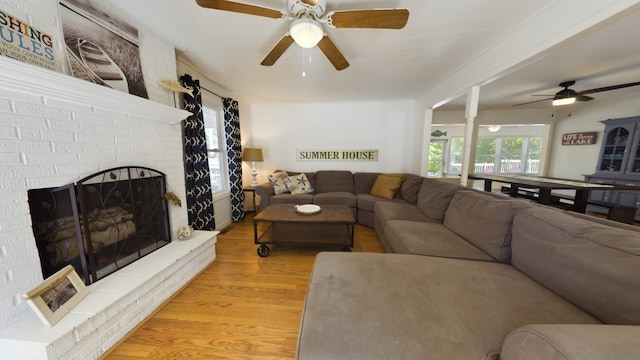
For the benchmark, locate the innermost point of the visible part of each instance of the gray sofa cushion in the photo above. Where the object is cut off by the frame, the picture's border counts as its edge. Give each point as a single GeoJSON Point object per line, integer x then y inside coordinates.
{"type": "Point", "coordinates": [410, 188]}
{"type": "Point", "coordinates": [594, 266]}
{"type": "Point", "coordinates": [333, 180]}
{"type": "Point", "coordinates": [434, 197]}
{"type": "Point", "coordinates": [292, 199]}
{"type": "Point", "coordinates": [434, 239]}
{"type": "Point", "coordinates": [367, 201]}
{"type": "Point", "coordinates": [335, 197]}
{"type": "Point", "coordinates": [483, 220]}
{"type": "Point", "coordinates": [562, 342]}
{"type": "Point", "coordinates": [440, 308]}
{"type": "Point", "coordinates": [363, 182]}
{"type": "Point", "coordinates": [397, 209]}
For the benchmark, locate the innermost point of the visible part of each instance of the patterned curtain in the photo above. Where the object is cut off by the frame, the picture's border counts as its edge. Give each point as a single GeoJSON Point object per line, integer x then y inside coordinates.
{"type": "Point", "coordinates": [196, 161]}
{"type": "Point", "coordinates": [234, 156]}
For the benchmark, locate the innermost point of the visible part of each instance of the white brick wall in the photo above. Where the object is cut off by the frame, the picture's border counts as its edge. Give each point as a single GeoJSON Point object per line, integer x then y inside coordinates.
{"type": "Point", "coordinates": [48, 140]}
{"type": "Point", "coordinates": [114, 306]}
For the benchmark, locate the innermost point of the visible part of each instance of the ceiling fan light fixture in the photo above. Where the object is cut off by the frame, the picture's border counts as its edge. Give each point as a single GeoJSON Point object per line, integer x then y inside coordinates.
{"type": "Point", "coordinates": [307, 33]}
{"type": "Point", "coordinates": [564, 97]}
{"type": "Point", "coordinates": [564, 101]}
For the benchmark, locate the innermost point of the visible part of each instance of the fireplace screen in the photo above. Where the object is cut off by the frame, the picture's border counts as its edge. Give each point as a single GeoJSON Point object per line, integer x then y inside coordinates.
{"type": "Point", "coordinates": [102, 223]}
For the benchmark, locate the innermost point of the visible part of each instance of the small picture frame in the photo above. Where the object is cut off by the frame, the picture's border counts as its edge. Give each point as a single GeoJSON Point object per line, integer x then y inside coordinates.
{"type": "Point", "coordinates": [57, 295]}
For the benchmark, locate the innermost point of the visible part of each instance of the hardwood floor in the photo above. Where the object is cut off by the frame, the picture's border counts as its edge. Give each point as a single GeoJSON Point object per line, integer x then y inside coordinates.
{"type": "Point", "coordinates": [241, 307]}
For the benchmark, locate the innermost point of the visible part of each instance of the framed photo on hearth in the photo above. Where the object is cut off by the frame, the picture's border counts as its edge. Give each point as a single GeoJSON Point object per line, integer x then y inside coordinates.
{"type": "Point", "coordinates": [57, 295]}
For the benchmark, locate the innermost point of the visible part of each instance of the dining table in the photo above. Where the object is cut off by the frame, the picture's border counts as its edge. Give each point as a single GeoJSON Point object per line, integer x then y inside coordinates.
{"type": "Point", "coordinates": [542, 187]}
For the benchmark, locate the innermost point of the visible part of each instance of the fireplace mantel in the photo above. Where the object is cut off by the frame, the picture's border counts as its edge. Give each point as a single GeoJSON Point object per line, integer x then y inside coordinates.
{"type": "Point", "coordinates": [22, 77]}
{"type": "Point", "coordinates": [61, 129]}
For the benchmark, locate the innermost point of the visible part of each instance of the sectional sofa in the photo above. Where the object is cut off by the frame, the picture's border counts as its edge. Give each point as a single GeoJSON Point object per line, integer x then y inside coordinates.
{"type": "Point", "coordinates": [473, 275]}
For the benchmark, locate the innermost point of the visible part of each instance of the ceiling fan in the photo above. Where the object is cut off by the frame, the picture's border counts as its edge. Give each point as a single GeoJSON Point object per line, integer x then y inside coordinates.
{"type": "Point", "coordinates": [568, 96]}
{"type": "Point", "coordinates": [306, 27]}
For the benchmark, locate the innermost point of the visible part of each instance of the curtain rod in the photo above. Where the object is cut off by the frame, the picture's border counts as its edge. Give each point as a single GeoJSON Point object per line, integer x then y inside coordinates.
{"type": "Point", "coordinates": [204, 88]}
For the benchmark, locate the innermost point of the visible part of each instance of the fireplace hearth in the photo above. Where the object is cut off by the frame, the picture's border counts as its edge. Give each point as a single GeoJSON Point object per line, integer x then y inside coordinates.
{"type": "Point", "coordinates": [101, 223]}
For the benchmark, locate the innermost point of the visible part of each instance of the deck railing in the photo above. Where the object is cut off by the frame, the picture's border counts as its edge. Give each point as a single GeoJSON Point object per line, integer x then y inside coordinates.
{"type": "Point", "coordinates": [506, 166]}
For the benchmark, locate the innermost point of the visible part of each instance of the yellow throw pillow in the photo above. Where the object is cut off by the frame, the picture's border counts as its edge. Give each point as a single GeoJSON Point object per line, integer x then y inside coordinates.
{"type": "Point", "coordinates": [386, 185]}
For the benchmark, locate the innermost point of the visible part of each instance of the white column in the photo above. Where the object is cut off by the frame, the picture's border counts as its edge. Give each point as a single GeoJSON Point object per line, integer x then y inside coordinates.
{"type": "Point", "coordinates": [471, 112]}
{"type": "Point", "coordinates": [547, 146]}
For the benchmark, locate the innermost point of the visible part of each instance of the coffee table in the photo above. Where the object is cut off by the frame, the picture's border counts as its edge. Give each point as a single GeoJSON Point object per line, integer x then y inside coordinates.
{"type": "Point", "coordinates": [280, 224]}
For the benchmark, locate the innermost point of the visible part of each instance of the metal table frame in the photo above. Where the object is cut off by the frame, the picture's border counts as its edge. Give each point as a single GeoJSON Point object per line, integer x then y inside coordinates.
{"type": "Point", "coordinates": [284, 214]}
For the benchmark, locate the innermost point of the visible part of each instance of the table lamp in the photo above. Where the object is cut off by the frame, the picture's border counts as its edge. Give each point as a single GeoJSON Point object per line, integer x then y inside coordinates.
{"type": "Point", "coordinates": [252, 155]}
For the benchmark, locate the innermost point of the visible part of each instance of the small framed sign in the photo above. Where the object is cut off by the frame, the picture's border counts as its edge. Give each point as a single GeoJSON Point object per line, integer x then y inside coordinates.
{"type": "Point", "coordinates": [57, 295]}
{"type": "Point", "coordinates": [581, 138]}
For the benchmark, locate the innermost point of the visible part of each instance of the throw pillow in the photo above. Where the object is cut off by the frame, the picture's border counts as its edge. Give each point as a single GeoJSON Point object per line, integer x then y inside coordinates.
{"type": "Point", "coordinates": [298, 184]}
{"type": "Point", "coordinates": [386, 185]}
{"type": "Point", "coordinates": [277, 182]}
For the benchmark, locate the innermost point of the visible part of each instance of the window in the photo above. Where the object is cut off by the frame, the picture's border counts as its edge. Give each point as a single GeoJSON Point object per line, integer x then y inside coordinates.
{"type": "Point", "coordinates": [512, 154]}
{"type": "Point", "coordinates": [486, 155]}
{"type": "Point", "coordinates": [215, 148]}
{"type": "Point", "coordinates": [455, 155]}
{"type": "Point", "coordinates": [437, 157]}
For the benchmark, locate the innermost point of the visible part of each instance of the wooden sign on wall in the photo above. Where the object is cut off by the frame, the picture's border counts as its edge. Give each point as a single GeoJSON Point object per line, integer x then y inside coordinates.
{"type": "Point", "coordinates": [580, 138]}
{"type": "Point", "coordinates": [25, 43]}
{"type": "Point", "coordinates": [337, 155]}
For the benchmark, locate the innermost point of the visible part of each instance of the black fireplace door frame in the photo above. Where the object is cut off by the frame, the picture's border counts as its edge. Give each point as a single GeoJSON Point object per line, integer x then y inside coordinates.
{"type": "Point", "coordinates": [121, 187]}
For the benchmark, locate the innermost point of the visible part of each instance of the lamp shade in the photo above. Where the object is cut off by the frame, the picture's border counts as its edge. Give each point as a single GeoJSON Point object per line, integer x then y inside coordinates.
{"type": "Point", "coordinates": [249, 154]}
{"type": "Point", "coordinates": [306, 32]}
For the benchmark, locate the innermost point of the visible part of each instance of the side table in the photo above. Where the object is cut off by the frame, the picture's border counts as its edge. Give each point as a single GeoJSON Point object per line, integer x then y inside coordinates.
{"type": "Point", "coordinates": [253, 193]}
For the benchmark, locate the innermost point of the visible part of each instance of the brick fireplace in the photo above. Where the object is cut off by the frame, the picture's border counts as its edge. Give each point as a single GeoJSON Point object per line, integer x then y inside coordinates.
{"type": "Point", "coordinates": [55, 130]}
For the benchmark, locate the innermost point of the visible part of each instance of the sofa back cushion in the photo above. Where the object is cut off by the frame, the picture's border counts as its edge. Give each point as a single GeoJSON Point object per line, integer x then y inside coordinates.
{"type": "Point", "coordinates": [483, 220]}
{"type": "Point", "coordinates": [434, 197]}
{"type": "Point", "coordinates": [594, 266]}
{"type": "Point", "coordinates": [333, 180]}
{"type": "Point", "coordinates": [410, 188]}
{"type": "Point", "coordinates": [363, 181]}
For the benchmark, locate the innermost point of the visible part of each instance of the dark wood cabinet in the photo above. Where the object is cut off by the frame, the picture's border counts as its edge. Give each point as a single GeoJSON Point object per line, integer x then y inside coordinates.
{"type": "Point", "coordinates": [619, 163]}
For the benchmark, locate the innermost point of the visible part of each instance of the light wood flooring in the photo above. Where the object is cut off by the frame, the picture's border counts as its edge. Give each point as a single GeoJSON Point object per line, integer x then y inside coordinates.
{"type": "Point", "coordinates": [241, 307]}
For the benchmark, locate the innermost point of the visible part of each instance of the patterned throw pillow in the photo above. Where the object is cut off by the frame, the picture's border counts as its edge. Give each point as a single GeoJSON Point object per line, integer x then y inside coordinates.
{"type": "Point", "coordinates": [298, 184]}
{"type": "Point", "coordinates": [277, 181]}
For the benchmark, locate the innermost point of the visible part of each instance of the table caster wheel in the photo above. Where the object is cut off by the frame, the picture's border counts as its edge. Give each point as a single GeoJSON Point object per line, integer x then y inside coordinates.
{"type": "Point", "coordinates": [263, 250]}
{"type": "Point", "coordinates": [345, 249]}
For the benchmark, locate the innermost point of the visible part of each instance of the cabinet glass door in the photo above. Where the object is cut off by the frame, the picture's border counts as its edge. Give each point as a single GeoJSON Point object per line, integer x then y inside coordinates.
{"type": "Point", "coordinates": [614, 149]}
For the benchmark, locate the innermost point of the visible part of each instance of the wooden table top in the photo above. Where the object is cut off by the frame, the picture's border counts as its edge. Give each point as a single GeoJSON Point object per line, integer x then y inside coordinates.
{"type": "Point", "coordinates": [541, 182]}
{"type": "Point", "coordinates": [287, 213]}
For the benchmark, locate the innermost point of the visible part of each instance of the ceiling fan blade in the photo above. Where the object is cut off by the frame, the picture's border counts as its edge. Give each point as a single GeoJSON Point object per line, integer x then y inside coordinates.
{"type": "Point", "coordinates": [607, 88]}
{"type": "Point", "coordinates": [370, 19]}
{"type": "Point", "coordinates": [533, 102]}
{"type": "Point", "coordinates": [241, 8]}
{"type": "Point", "coordinates": [332, 53]}
{"type": "Point", "coordinates": [277, 50]}
{"type": "Point", "coordinates": [580, 97]}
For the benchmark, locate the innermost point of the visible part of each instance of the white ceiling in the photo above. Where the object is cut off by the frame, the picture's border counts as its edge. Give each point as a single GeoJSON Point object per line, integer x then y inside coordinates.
{"type": "Point", "coordinates": [440, 38]}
